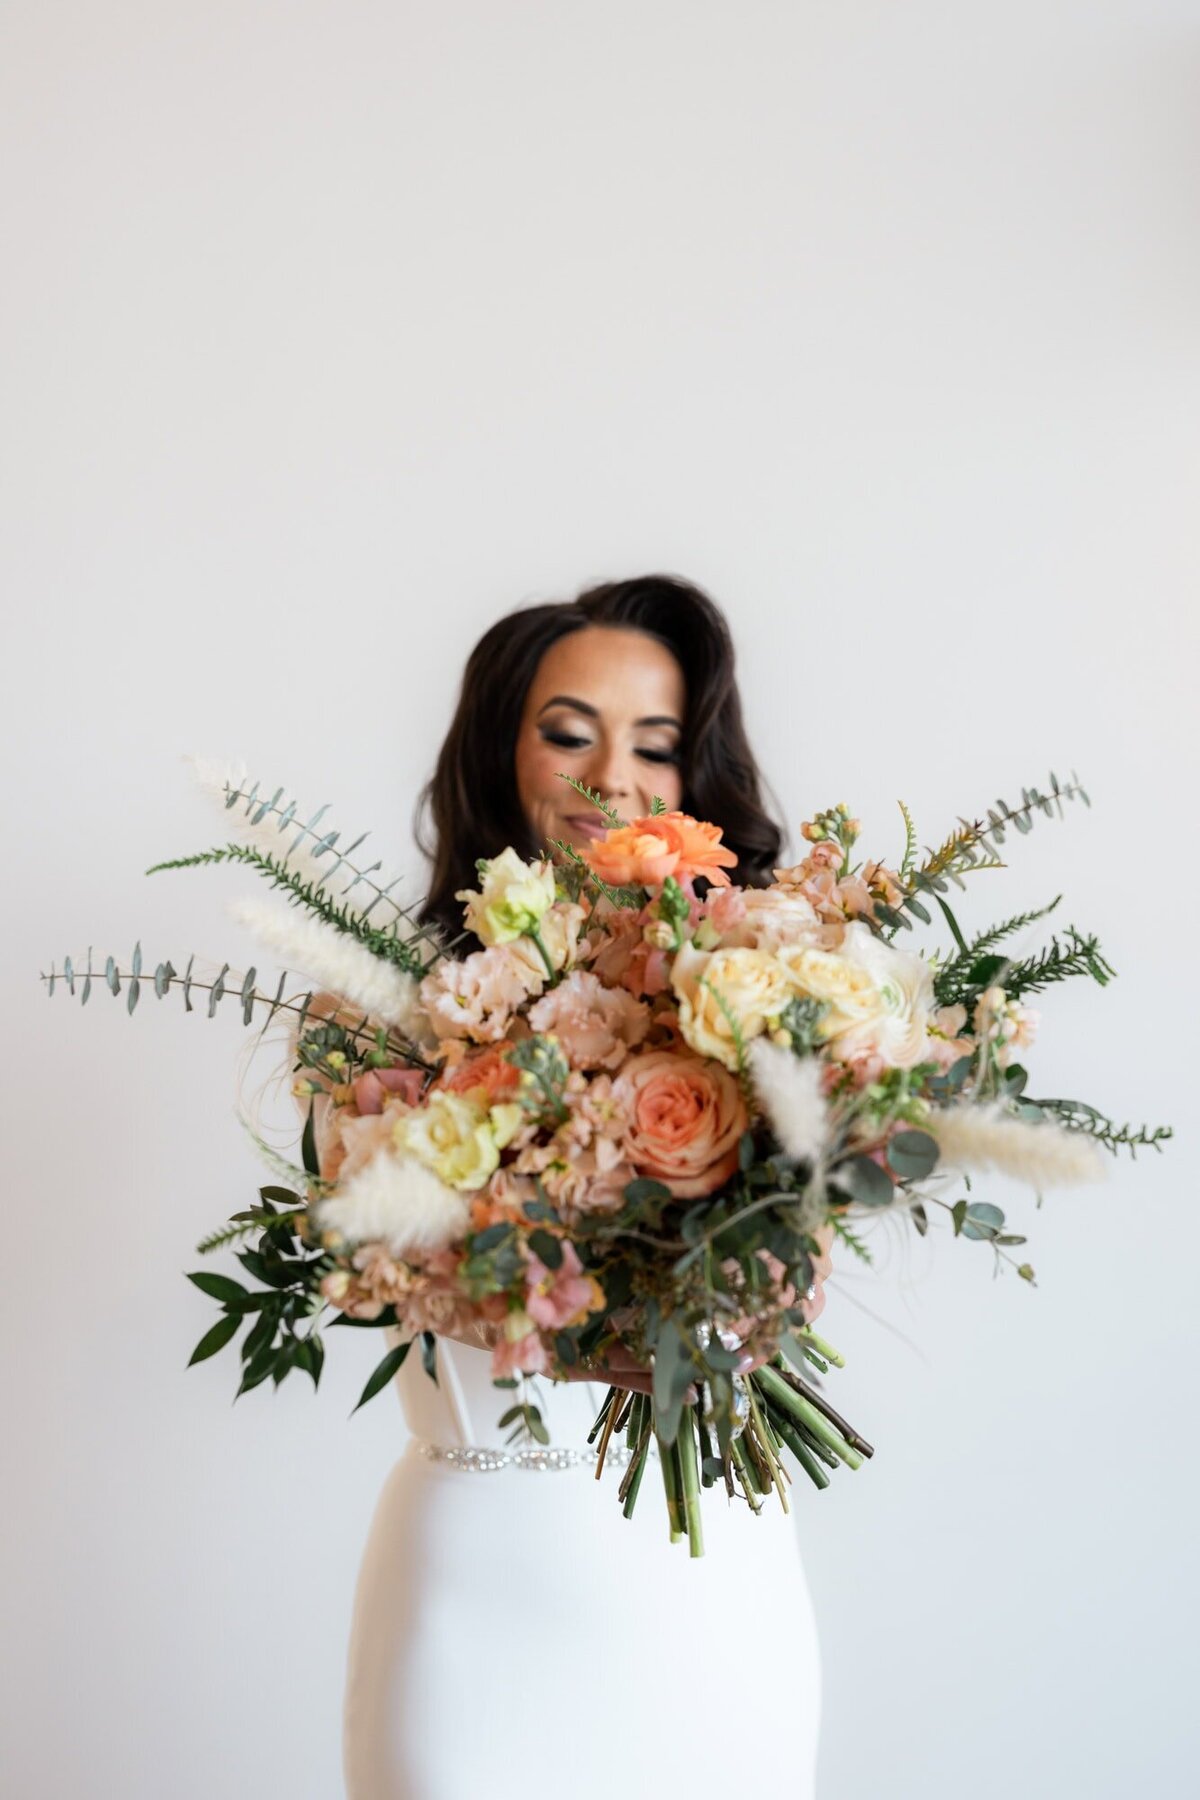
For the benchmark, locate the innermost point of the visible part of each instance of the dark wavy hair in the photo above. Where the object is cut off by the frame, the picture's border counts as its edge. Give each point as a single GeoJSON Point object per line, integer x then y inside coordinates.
{"type": "Point", "coordinates": [471, 801]}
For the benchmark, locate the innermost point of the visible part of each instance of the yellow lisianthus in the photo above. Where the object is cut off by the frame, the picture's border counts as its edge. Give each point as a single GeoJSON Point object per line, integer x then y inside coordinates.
{"type": "Point", "coordinates": [512, 899]}
{"type": "Point", "coordinates": [455, 1137]}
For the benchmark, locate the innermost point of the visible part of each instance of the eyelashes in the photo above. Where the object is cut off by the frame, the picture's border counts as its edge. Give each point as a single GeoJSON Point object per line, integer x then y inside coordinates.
{"type": "Point", "coordinates": [563, 740]}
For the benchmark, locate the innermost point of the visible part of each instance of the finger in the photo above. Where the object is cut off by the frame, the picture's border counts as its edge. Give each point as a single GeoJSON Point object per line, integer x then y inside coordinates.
{"type": "Point", "coordinates": [812, 1309]}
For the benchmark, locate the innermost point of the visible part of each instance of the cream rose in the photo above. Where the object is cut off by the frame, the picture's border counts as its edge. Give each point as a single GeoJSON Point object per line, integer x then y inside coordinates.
{"type": "Point", "coordinates": [456, 1137]}
{"type": "Point", "coordinates": [845, 986]}
{"type": "Point", "coordinates": [512, 899]}
{"type": "Point", "coordinates": [898, 1030]}
{"type": "Point", "coordinates": [748, 987]}
{"type": "Point", "coordinates": [686, 1117]}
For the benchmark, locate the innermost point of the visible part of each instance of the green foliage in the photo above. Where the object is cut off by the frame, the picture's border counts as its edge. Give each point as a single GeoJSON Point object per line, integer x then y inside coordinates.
{"type": "Point", "coordinates": [382, 941]}
{"type": "Point", "coordinates": [850, 1238]}
{"type": "Point", "coordinates": [286, 1299]}
{"type": "Point", "coordinates": [544, 1069]}
{"type": "Point", "coordinates": [801, 1019]}
{"type": "Point", "coordinates": [595, 799]}
{"type": "Point", "coordinates": [910, 845]}
{"type": "Point", "coordinates": [977, 843]}
{"type": "Point", "coordinates": [956, 980]}
{"type": "Point", "coordinates": [1080, 956]}
{"type": "Point", "coordinates": [1076, 1115]}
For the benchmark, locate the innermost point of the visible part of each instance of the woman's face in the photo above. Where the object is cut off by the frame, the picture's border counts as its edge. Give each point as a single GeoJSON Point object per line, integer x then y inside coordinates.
{"type": "Point", "coordinates": [606, 707]}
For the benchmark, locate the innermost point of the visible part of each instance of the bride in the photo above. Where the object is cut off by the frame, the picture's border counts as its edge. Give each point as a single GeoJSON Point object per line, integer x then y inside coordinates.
{"type": "Point", "coordinates": [513, 1632]}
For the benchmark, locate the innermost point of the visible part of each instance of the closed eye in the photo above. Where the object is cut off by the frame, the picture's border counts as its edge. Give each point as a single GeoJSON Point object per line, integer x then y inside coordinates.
{"type": "Point", "coordinates": [563, 740]}
{"type": "Point", "coordinates": [659, 756]}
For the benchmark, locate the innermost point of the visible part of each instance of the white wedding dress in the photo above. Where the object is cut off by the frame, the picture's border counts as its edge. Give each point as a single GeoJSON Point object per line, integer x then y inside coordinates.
{"type": "Point", "coordinates": [514, 1634]}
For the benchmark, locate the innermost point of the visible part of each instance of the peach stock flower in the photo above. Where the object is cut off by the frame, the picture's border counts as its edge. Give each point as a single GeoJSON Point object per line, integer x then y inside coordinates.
{"type": "Point", "coordinates": [477, 997]}
{"type": "Point", "coordinates": [595, 1026]}
{"type": "Point", "coordinates": [649, 849]}
{"type": "Point", "coordinates": [686, 1119]}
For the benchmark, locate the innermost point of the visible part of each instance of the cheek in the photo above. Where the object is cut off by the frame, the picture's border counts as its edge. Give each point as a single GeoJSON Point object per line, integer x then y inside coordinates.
{"type": "Point", "coordinates": [536, 765]}
{"type": "Point", "coordinates": [667, 783]}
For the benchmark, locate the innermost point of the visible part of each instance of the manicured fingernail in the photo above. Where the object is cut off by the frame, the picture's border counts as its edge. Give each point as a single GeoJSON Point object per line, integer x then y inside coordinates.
{"type": "Point", "coordinates": [745, 1364]}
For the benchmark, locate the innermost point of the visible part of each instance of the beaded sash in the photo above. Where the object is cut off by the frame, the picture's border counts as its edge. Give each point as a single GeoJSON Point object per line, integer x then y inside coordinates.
{"type": "Point", "coordinates": [484, 1460]}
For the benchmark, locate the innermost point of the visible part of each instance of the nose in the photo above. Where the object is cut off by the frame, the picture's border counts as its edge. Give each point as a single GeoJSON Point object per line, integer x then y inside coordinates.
{"type": "Point", "coordinates": [609, 772]}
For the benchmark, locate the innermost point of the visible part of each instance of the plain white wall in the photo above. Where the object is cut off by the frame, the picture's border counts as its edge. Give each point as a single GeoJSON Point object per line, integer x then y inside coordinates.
{"type": "Point", "coordinates": [330, 332]}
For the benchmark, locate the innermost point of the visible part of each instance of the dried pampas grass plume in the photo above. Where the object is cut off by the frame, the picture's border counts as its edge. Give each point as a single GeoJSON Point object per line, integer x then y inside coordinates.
{"type": "Point", "coordinates": [398, 1202]}
{"type": "Point", "coordinates": [1043, 1155]}
{"type": "Point", "coordinates": [335, 961]}
{"type": "Point", "coordinates": [789, 1088]}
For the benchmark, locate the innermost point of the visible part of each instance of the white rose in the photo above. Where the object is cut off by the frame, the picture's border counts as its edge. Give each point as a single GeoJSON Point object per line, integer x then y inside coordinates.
{"type": "Point", "coordinates": [513, 898]}
{"type": "Point", "coordinates": [899, 1030]}
{"type": "Point", "coordinates": [844, 984]}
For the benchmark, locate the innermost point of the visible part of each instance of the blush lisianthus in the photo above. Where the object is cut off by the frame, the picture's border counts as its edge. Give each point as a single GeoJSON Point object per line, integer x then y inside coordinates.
{"type": "Point", "coordinates": [646, 850]}
{"type": "Point", "coordinates": [686, 1119]}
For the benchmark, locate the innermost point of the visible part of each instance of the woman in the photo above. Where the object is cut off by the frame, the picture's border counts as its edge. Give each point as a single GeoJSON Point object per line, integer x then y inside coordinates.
{"type": "Point", "coordinates": [512, 1630]}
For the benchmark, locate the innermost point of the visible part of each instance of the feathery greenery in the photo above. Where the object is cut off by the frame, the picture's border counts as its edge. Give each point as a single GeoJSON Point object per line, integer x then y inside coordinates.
{"type": "Point", "coordinates": [956, 979]}
{"type": "Point", "coordinates": [381, 941]}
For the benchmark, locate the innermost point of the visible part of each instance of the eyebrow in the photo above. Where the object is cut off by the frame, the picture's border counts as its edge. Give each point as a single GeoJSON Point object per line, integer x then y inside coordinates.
{"type": "Point", "coordinates": [581, 706]}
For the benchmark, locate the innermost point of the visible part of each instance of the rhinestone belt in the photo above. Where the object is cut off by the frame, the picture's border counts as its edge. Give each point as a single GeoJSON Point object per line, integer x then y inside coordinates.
{"type": "Point", "coordinates": [483, 1460]}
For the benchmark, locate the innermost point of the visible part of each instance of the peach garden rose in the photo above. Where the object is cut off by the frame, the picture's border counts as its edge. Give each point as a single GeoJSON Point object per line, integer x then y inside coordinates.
{"type": "Point", "coordinates": [686, 1117]}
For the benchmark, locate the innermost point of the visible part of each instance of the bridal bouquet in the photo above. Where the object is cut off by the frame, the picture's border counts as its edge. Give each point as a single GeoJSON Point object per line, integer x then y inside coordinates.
{"type": "Point", "coordinates": [631, 1117]}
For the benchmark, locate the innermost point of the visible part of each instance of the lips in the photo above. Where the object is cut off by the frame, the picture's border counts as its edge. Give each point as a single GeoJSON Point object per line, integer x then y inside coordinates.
{"type": "Point", "coordinates": [586, 825]}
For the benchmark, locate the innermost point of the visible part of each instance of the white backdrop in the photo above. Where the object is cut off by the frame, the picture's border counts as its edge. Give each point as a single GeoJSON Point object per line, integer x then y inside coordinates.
{"type": "Point", "coordinates": [330, 332]}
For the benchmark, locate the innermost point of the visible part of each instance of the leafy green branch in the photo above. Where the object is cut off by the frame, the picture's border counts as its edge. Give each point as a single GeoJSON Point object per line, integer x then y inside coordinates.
{"type": "Point", "coordinates": [959, 976]}
{"type": "Point", "coordinates": [166, 977]}
{"type": "Point", "coordinates": [381, 941]}
{"type": "Point", "coordinates": [977, 842]}
{"type": "Point", "coordinates": [319, 844]}
{"type": "Point", "coordinates": [1077, 1115]}
{"type": "Point", "coordinates": [596, 799]}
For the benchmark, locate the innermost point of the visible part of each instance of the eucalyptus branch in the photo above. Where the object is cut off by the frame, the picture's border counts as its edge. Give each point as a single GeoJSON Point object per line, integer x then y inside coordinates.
{"type": "Point", "coordinates": [166, 976]}
{"type": "Point", "coordinates": [284, 819]}
{"type": "Point", "coordinates": [962, 850]}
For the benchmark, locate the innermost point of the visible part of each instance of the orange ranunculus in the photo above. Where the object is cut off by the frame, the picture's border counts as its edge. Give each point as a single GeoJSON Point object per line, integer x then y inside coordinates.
{"type": "Point", "coordinates": [686, 1116]}
{"type": "Point", "coordinates": [647, 850]}
{"type": "Point", "coordinates": [487, 1071]}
